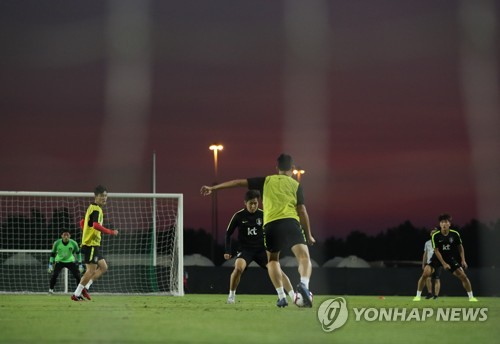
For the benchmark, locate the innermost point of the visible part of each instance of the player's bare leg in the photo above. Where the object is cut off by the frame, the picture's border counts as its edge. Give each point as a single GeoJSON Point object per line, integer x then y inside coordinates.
{"type": "Point", "coordinates": [421, 281]}
{"type": "Point", "coordinates": [274, 269]}
{"type": "Point", "coordinates": [301, 252]}
{"type": "Point", "coordinates": [465, 283]}
{"type": "Point", "coordinates": [102, 267]}
{"type": "Point", "coordinates": [275, 274]}
{"type": "Point", "coordinates": [463, 277]}
{"type": "Point", "coordinates": [87, 276]}
{"type": "Point", "coordinates": [239, 266]}
{"type": "Point", "coordinates": [287, 285]}
{"type": "Point", "coordinates": [428, 284]}
{"type": "Point", "coordinates": [92, 273]}
{"type": "Point", "coordinates": [89, 272]}
{"type": "Point", "coordinates": [437, 287]}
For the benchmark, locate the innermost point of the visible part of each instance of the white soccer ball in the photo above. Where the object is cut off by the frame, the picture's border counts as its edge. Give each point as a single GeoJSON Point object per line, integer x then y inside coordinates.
{"type": "Point", "coordinates": [299, 300]}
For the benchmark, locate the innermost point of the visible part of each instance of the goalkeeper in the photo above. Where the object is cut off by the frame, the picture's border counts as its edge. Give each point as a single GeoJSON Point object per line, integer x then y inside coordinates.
{"type": "Point", "coordinates": [63, 256]}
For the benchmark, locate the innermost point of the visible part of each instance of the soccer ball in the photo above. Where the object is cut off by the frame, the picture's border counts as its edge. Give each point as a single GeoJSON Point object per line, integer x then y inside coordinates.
{"type": "Point", "coordinates": [299, 300]}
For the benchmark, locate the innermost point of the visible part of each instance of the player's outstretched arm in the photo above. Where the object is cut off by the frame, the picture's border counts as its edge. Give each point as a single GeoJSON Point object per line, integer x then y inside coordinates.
{"type": "Point", "coordinates": [207, 190]}
{"type": "Point", "coordinates": [103, 229]}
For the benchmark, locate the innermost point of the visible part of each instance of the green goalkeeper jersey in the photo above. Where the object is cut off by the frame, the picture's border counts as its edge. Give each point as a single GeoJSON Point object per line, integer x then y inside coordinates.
{"type": "Point", "coordinates": [65, 253]}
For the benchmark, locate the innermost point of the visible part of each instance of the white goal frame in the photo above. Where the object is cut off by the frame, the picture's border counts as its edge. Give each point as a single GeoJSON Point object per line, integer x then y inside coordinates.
{"type": "Point", "coordinates": [178, 243]}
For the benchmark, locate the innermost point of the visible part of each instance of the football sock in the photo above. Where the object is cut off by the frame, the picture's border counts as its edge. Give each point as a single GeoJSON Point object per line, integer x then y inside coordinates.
{"type": "Point", "coordinates": [89, 284]}
{"type": "Point", "coordinates": [232, 292]}
{"type": "Point", "coordinates": [281, 293]}
{"type": "Point", "coordinates": [305, 281]}
{"type": "Point", "coordinates": [470, 294]}
{"type": "Point", "coordinates": [419, 293]}
{"type": "Point", "coordinates": [291, 293]}
{"type": "Point", "coordinates": [78, 290]}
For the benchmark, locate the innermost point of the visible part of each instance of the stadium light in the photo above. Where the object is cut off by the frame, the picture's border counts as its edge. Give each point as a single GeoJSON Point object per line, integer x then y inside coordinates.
{"type": "Point", "coordinates": [215, 217]}
{"type": "Point", "coordinates": [298, 172]}
{"type": "Point", "coordinates": [216, 148]}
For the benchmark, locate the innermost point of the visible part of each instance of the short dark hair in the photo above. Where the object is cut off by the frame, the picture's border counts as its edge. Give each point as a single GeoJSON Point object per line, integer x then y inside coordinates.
{"type": "Point", "coordinates": [100, 189]}
{"type": "Point", "coordinates": [251, 194]}
{"type": "Point", "coordinates": [285, 162]}
{"type": "Point", "coordinates": [444, 217]}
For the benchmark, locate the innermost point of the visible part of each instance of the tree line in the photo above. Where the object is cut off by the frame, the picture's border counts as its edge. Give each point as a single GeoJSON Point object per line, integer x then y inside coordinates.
{"type": "Point", "coordinates": [394, 246]}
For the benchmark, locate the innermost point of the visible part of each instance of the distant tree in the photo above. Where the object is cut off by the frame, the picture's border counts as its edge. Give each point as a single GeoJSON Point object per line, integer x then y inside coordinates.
{"type": "Point", "coordinates": [197, 241]}
{"type": "Point", "coordinates": [334, 247]}
{"type": "Point", "coordinates": [404, 242]}
{"type": "Point", "coordinates": [360, 244]}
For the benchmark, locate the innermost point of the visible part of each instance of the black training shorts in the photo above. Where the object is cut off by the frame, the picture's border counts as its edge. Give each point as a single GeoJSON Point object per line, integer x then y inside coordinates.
{"type": "Point", "coordinates": [283, 233]}
{"type": "Point", "coordinates": [258, 256]}
{"type": "Point", "coordinates": [91, 254]}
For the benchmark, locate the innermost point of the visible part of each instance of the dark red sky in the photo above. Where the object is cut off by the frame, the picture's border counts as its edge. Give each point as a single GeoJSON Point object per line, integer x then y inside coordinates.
{"type": "Point", "coordinates": [396, 135]}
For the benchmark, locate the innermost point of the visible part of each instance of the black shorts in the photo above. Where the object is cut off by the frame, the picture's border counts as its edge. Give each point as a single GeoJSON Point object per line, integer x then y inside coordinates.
{"type": "Point", "coordinates": [437, 272]}
{"type": "Point", "coordinates": [91, 254]}
{"type": "Point", "coordinates": [283, 233]}
{"type": "Point", "coordinates": [71, 266]}
{"type": "Point", "coordinates": [436, 264]}
{"type": "Point", "coordinates": [258, 256]}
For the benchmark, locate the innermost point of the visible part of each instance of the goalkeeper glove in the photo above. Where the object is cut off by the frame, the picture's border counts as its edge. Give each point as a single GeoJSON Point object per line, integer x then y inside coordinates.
{"type": "Point", "coordinates": [81, 268]}
{"type": "Point", "coordinates": [50, 269]}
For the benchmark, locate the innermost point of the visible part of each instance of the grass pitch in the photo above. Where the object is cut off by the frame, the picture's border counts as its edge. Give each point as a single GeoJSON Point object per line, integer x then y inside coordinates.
{"type": "Point", "coordinates": [207, 319]}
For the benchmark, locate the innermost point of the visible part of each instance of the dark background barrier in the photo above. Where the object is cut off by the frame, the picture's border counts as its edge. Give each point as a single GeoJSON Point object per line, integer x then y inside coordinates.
{"type": "Point", "coordinates": [215, 280]}
{"type": "Point", "coordinates": [342, 281]}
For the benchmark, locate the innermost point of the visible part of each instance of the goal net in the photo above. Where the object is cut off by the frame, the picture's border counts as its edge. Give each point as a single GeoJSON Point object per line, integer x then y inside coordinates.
{"type": "Point", "coordinates": [145, 258]}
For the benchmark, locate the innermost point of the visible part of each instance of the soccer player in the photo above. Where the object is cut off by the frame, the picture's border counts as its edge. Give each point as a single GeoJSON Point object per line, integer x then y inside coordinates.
{"type": "Point", "coordinates": [286, 223]}
{"type": "Point", "coordinates": [63, 254]}
{"type": "Point", "coordinates": [435, 277]}
{"type": "Point", "coordinates": [249, 222]}
{"type": "Point", "coordinates": [449, 253]}
{"type": "Point", "coordinates": [91, 244]}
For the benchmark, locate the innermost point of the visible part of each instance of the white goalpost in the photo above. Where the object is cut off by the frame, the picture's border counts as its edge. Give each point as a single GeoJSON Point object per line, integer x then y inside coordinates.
{"type": "Point", "coordinates": [145, 258]}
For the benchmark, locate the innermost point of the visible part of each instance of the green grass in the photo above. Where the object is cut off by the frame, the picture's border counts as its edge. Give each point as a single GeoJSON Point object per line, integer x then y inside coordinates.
{"type": "Point", "coordinates": [207, 319]}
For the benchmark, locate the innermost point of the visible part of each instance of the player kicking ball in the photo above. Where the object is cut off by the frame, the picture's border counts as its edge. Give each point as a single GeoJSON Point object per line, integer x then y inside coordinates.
{"type": "Point", "coordinates": [286, 223]}
{"type": "Point", "coordinates": [249, 221]}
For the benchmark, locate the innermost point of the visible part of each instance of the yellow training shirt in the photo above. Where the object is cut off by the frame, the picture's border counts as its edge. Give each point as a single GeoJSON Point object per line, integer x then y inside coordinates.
{"type": "Point", "coordinates": [91, 236]}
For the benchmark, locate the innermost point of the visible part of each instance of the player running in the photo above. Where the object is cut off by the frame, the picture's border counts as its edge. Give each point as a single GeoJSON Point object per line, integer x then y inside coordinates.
{"type": "Point", "coordinates": [92, 226]}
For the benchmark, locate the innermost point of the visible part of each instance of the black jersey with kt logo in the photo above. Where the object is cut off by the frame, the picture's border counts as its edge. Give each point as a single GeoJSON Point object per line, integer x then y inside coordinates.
{"type": "Point", "coordinates": [447, 244]}
{"type": "Point", "coordinates": [250, 233]}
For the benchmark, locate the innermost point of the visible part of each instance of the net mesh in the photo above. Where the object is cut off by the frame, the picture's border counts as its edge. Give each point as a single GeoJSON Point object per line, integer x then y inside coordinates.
{"type": "Point", "coordinates": [145, 257]}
